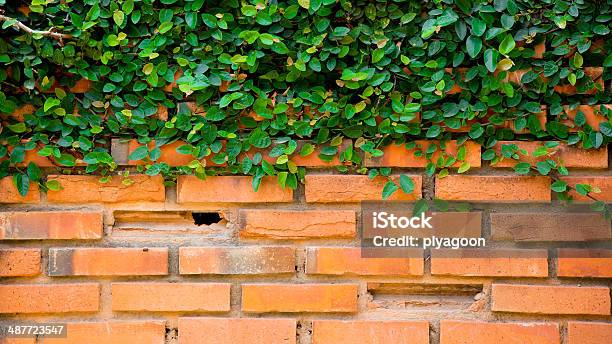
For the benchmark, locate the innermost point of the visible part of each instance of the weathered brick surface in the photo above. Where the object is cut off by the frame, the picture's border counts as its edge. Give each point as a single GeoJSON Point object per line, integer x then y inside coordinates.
{"type": "Point", "coordinates": [242, 260]}
{"type": "Point", "coordinates": [370, 332]}
{"type": "Point", "coordinates": [290, 298]}
{"type": "Point", "coordinates": [21, 225]}
{"type": "Point", "coordinates": [9, 193]}
{"type": "Point", "coordinates": [348, 261]}
{"type": "Point", "coordinates": [513, 189]}
{"type": "Point", "coordinates": [542, 299]}
{"type": "Point", "coordinates": [603, 183]}
{"type": "Point", "coordinates": [108, 261]}
{"type": "Point", "coordinates": [592, 115]}
{"type": "Point", "coordinates": [171, 297]}
{"type": "Point", "coordinates": [490, 262]}
{"type": "Point", "coordinates": [352, 188]}
{"type": "Point", "coordinates": [473, 332]}
{"type": "Point", "coordinates": [89, 189]}
{"type": "Point", "coordinates": [568, 156]}
{"type": "Point", "coordinates": [399, 156]}
{"type": "Point", "coordinates": [236, 330]}
{"type": "Point", "coordinates": [550, 227]}
{"type": "Point", "coordinates": [579, 332]}
{"type": "Point", "coordinates": [295, 224]}
{"type": "Point", "coordinates": [19, 262]}
{"type": "Point", "coordinates": [49, 298]}
{"type": "Point", "coordinates": [230, 189]}
{"type": "Point", "coordinates": [584, 263]}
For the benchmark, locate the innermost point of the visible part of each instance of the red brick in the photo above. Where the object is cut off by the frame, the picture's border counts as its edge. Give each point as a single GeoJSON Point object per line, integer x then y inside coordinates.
{"type": "Point", "coordinates": [9, 193]}
{"type": "Point", "coordinates": [295, 224]}
{"type": "Point", "coordinates": [506, 189]}
{"type": "Point", "coordinates": [230, 189]}
{"type": "Point", "coordinates": [592, 115]}
{"type": "Point", "coordinates": [370, 332]}
{"type": "Point", "coordinates": [108, 261]}
{"type": "Point", "coordinates": [242, 260]}
{"type": "Point", "coordinates": [348, 261]}
{"type": "Point", "coordinates": [550, 227]}
{"type": "Point", "coordinates": [171, 297]}
{"type": "Point", "coordinates": [584, 263]}
{"type": "Point", "coordinates": [603, 183]}
{"type": "Point", "coordinates": [545, 299]}
{"type": "Point", "coordinates": [354, 188]}
{"type": "Point", "coordinates": [24, 225]}
{"type": "Point", "coordinates": [89, 189]}
{"type": "Point", "coordinates": [589, 332]}
{"type": "Point", "coordinates": [19, 262]}
{"type": "Point", "coordinates": [568, 156]}
{"type": "Point", "coordinates": [399, 156]}
{"type": "Point", "coordinates": [320, 298]}
{"type": "Point", "coordinates": [490, 262]}
{"type": "Point", "coordinates": [49, 298]}
{"type": "Point", "coordinates": [473, 332]}
{"type": "Point", "coordinates": [236, 331]}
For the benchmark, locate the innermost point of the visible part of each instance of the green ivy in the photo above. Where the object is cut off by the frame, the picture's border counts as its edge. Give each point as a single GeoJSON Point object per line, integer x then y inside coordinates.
{"type": "Point", "coordinates": [268, 74]}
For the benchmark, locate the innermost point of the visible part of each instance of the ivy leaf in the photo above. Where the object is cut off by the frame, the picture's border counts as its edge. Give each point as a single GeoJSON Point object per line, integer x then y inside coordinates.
{"type": "Point", "coordinates": [490, 59]}
{"type": "Point", "coordinates": [389, 189]}
{"type": "Point", "coordinates": [559, 186]}
{"type": "Point", "coordinates": [522, 168]}
{"type": "Point", "coordinates": [139, 153]}
{"type": "Point", "coordinates": [473, 46]}
{"type": "Point", "coordinates": [22, 182]}
{"type": "Point", "coordinates": [507, 44]}
{"type": "Point", "coordinates": [53, 185]}
{"type": "Point", "coordinates": [118, 17]}
{"type": "Point", "coordinates": [406, 184]}
{"type": "Point", "coordinates": [583, 189]}
{"type": "Point", "coordinates": [304, 3]}
{"type": "Point", "coordinates": [50, 103]}
{"type": "Point", "coordinates": [420, 207]}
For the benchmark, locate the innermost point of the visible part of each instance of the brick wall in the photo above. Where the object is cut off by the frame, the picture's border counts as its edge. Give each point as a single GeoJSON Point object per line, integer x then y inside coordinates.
{"type": "Point", "coordinates": [126, 263]}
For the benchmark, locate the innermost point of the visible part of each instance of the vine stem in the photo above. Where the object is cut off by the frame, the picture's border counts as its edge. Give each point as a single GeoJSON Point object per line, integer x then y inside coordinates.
{"type": "Point", "coordinates": [49, 33]}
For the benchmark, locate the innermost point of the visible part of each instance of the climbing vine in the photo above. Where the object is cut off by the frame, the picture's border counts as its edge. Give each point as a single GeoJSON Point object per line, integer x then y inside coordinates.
{"type": "Point", "coordinates": [243, 83]}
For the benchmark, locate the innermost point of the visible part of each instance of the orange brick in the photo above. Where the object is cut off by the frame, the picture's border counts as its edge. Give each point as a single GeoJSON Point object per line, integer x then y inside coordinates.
{"type": "Point", "coordinates": [295, 224]}
{"type": "Point", "coordinates": [171, 297]}
{"type": "Point", "coordinates": [19, 262]}
{"type": "Point", "coordinates": [354, 188]}
{"type": "Point", "coordinates": [20, 112]}
{"type": "Point", "coordinates": [230, 189]}
{"type": "Point", "coordinates": [236, 330]}
{"type": "Point", "coordinates": [9, 193]}
{"type": "Point", "coordinates": [589, 332]}
{"type": "Point", "coordinates": [584, 263]}
{"type": "Point", "coordinates": [568, 156]}
{"type": "Point", "coordinates": [370, 332]}
{"type": "Point", "coordinates": [490, 262]}
{"type": "Point", "coordinates": [24, 225]}
{"type": "Point", "coordinates": [592, 115]}
{"type": "Point", "coordinates": [108, 261]}
{"type": "Point", "coordinates": [399, 156]}
{"type": "Point", "coordinates": [88, 189]}
{"type": "Point", "coordinates": [116, 332]}
{"type": "Point", "coordinates": [242, 260]}
{"type": "Point", "coordinates": [604, 183]}
{"type": "Point", "coordinates": [49, 298]}
{"type": "Point", "coordinates": [473, 332]}
{"type": "Point", "coordinates": [543, 299]}
{"type": "Point", "coordinates": [550, 227]}
{"type": "Point", "coordinates": [320, 298]}
{"type": "Point", "coordinates": [348, 261]}
{"type": "Point", "coordinates": [506, 189]}
{"type": "Point", "coordinates": [169, 155]}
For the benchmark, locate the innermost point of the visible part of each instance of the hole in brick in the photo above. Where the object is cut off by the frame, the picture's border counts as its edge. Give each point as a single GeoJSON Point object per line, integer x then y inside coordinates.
{"type": "Point", "coordinates": [206, 219]}
{"type": "Point", "coordinates": [428, 297]}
